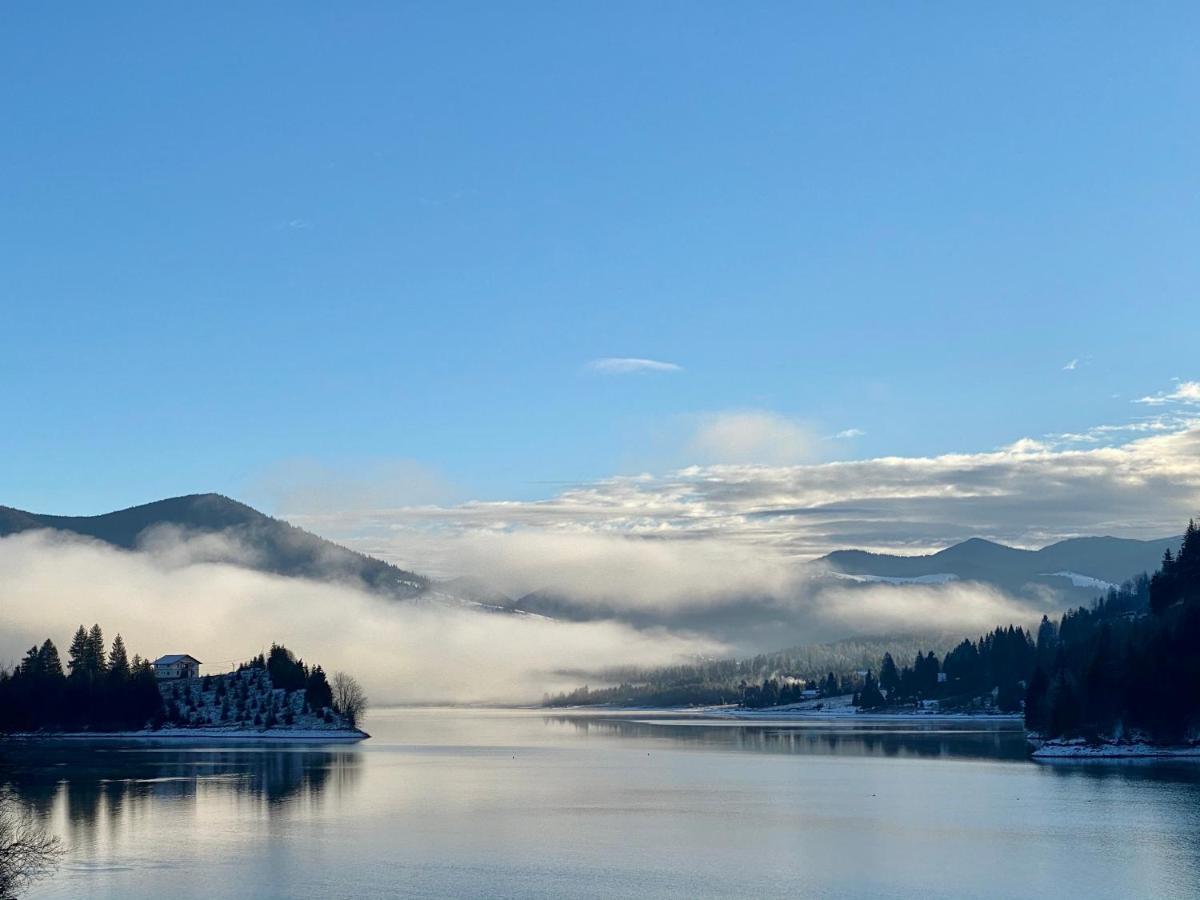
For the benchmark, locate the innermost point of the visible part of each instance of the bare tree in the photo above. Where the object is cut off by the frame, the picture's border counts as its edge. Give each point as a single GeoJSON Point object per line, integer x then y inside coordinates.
{"type": "Point", "coordinates": [27, 852]}
{"type": "Point", "coordinates": [348, 697]}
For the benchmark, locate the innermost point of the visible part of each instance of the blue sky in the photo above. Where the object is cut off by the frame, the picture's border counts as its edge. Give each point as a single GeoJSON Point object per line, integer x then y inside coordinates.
{"type": "Point", "coordinates": [396, 236]}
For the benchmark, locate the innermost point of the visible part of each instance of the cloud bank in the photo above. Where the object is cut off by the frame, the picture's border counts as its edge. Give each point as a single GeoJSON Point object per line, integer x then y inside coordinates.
{"type": "Point", "coordinates": [707, 559]}
{"type": "Point", "coordinates": [170, 599]}
{"type": "Point", "coordinates": [720, 548]}
{"type": "Point", "coordinates": [1029, 493]}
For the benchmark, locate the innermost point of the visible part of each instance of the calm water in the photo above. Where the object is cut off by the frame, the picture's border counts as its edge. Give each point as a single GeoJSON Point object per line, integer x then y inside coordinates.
{"type": "Point", "coordinates": [453, 803]}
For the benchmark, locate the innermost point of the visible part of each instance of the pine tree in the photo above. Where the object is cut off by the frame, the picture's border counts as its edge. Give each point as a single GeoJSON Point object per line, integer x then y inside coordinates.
{"type": "Point", "coordinates": [77, 654]}
{"type": "Point", "coordinates": [118, 661]}
{"type": "Point", "coordinates": [870, 697]}
{"type": "Point", "coordinates": [49, 662]}
{"type": "Point", "coordinates": [94, 654]}
{"type": "Point", "coordinates": [31, 664]}
{"type": "Point", "coordinates": [889, 678]}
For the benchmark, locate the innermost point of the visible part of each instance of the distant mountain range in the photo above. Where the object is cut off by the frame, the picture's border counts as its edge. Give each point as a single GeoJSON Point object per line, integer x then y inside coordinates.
{"type": "Point", "coordinates": [1068, 573]}
{"type": "Point", "coordinates": [1081, 568]}
{"type": "Point", "coordinates": [274, 546]}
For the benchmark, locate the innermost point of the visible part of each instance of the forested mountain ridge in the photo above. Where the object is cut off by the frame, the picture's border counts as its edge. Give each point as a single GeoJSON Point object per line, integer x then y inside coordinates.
{"type": "Point", "coordinates": [1130, 664]}
{"type": "Point", "coordinates": [1126, 667]}
{"type": "Point", "coordinates": [717, 681]}
{"type": "Point", "coordinates": [273, 545]}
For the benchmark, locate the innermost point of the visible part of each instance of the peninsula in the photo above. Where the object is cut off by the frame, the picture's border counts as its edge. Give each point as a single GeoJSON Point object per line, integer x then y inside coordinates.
{"type": "Point", "coordinates": [274, 696]}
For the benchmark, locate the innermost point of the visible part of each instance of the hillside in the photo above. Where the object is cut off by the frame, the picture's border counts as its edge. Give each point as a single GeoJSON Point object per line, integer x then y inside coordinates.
{"type": "Point", "coordinates": [273, 545]}
{"type": "Point", "coordinates": [245, 699]}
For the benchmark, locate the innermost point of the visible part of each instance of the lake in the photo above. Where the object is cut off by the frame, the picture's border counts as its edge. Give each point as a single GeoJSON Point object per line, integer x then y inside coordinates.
{"type": "Point", "coordinates": [523, 803]}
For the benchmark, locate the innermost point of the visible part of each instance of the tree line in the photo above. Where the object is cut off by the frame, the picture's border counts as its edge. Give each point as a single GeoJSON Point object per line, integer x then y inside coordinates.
{"type": "Point", "coordinates": [746, 681]}
{"type": "Point", "coordinates": [343, 694]}
{"type": "Point", "coordinates": [288, 672]}
{"type": "Point", "coordinates": [1129, 664]}
{"type": "Point", "coordinates": [100, 689]}
{"type": "Point", "coordinates": [988, 671]}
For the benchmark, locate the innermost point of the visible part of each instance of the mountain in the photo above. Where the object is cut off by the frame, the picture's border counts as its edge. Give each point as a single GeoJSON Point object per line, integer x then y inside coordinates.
{"type": "Point", "coordinates": [1080, 565]}
{"type": "Point", "coordinates": [1069, 573]}
{"type": "Point", "coordinates": [264, 543]}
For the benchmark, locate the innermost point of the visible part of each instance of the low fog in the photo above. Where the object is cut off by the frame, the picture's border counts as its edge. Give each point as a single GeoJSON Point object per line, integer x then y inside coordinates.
{"type": "Point", "coordinates": [165, 602]}
{"type": "Point", "coordinates": [753, 597]}
{"type": "Point", "coordinates": [631, 603]}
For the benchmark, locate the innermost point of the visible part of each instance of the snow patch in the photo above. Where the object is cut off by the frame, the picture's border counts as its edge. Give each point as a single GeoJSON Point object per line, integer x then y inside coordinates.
{"type": "Point", "coordinates": [1083, 581]}
{"type": "Point", "coordinates": [1081, 749]}
{"type": "Point", "coordinates": [936, 578]}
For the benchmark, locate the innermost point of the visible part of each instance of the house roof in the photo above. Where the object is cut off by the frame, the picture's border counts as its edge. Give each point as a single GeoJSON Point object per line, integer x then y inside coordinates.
{"type": "Point", "coordinates": [172, 658]}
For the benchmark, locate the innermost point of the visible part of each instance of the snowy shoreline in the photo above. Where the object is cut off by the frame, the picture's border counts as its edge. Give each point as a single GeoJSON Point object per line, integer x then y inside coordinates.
{"type": "Point", "coordinates": [242, 735]}
{"type": "Point", "coordinates": [829, 709]}
{"type": "Point", "coordinates": [776, 713]}
{"type": "Point", "coordinates": [1079, 749]}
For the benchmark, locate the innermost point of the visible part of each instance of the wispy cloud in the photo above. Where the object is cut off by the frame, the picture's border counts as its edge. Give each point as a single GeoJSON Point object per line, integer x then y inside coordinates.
{"type": "Point", "coordinates": [1071, 366]}
{"type": "Point", "coordinates": [1187, 392]}
{"type": "Point", "coordinates": [849, 434]}
{"type": "Point", "coordinates": [628, 365]}
{"type": "Point", "coordinates": [1158, 424]}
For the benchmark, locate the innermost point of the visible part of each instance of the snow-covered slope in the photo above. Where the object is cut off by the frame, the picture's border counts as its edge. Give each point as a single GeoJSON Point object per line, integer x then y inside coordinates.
{"type": "Point", "coordinates": [245, 699]}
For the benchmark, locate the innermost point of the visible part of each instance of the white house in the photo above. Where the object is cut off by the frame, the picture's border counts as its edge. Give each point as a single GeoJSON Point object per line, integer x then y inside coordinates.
{"type": "Point", "coordinates": [177, 665]}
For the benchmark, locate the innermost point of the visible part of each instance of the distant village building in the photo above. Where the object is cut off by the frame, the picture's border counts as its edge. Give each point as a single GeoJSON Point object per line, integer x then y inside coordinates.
{"type": "Point", "coordinates": [176, 665]}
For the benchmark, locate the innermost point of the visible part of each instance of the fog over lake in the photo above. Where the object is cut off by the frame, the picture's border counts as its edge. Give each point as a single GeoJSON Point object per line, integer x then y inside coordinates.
{"type": "Point", "coordinates": [524, 803]}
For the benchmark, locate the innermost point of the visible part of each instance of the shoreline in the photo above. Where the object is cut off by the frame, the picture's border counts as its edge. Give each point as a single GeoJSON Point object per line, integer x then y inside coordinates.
{"type": "Point", "coordinates": [183, 735]}
{"type": "Point", "coordinates": [845, 713]}
{"type": "Point", "coordinates": [750, 715]}
{"type": "Point", "coordinates": [1078, 749]}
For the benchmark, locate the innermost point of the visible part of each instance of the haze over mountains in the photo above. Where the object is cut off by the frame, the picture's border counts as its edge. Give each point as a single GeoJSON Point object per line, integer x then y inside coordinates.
{"type": "Point", "coordinates": [845, 584]}
{"type": "Point", "coordinates": [1078, 568]}
{"type": "Point", "coordinates": [257, 540]}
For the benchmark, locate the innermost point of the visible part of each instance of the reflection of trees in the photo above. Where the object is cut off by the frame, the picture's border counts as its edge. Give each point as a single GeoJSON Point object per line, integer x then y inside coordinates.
{"type": "Point", "coordinates": [920, 740]}
{"type": "Point", "coordinates": [1147, 769]}
{"type": "Point", "coordinates": [99, 782]}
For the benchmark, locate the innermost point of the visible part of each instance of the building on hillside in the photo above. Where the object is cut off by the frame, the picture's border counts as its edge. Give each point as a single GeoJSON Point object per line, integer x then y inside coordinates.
{"type": "Point", "coordinates": [177, 665]}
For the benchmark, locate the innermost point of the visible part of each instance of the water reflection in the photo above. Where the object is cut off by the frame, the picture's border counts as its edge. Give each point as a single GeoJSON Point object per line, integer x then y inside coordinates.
{"type": "Point", "coordinates": [1145, 770]}
{"type": "Point", "coordinates": [102, 783]}
{"type": "Point", "coordinates": [990, 741]}
{"type": "Point", "coordinates": [465, 803]}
